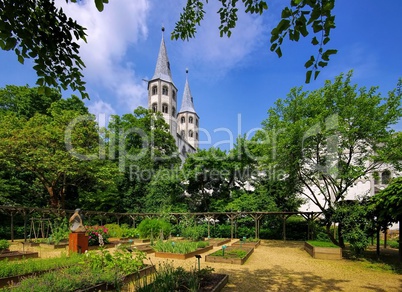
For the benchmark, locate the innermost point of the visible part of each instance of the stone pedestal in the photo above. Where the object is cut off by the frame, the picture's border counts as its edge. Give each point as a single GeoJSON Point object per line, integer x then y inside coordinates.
{"type": "Point", "coordinates": [78, 242]}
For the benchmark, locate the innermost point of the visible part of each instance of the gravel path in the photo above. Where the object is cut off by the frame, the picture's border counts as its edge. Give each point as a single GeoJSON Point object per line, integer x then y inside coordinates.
{"type": "Point", "coordinates": [279, 266]}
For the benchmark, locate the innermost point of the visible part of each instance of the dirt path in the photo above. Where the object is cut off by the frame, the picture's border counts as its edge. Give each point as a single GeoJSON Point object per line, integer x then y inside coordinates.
{"type": "Point", "coordinates": [278, 266]}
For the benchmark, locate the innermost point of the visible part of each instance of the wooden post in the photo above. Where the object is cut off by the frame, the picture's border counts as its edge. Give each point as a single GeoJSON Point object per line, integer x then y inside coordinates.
{"type": "Point", "coordinates": [12, 226]}
{"type": "Point", "coordinates": [378, 241]}
{"type": "Point", "coordinates": [25, 225]}
{"type": "Point", "coordinates": [385, 236]}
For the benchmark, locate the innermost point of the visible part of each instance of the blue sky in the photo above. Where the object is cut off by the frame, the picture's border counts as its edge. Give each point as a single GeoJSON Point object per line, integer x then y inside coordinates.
{"type": "Point", "coordinates": [233, 81]}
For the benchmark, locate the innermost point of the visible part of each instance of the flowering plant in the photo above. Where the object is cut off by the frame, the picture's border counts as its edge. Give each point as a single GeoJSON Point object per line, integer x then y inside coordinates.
{"type": "Point", "coordinates": [97, 235]}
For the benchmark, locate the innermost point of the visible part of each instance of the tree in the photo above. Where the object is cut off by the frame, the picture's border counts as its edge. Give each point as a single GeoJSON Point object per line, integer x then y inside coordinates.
{"type": "Point", "coordinates": [143, 145]}
{"type": "Point", "coordinates": [39, 30]}
{"type": "Point", "coordinates": [388, 206]}
{"type": "Point", "coordinates": [37, 145]}
{"type": "Point", "coordinates": [327, 139]}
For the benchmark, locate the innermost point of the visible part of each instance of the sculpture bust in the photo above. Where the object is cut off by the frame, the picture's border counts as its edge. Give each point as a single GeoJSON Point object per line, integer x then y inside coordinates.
{"type": "Point", "coordinates": [76, 222]}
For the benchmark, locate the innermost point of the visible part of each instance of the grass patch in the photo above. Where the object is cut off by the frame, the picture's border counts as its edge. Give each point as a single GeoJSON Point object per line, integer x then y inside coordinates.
{"type": "Point", "coordinates": [181, 247]}
{"type": "Point", "coordinates": [322, 243]}
{"type": "Point", "coordinates": [233, 253]}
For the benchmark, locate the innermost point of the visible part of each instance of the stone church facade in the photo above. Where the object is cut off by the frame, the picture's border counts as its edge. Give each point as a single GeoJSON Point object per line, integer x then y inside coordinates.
{"type": "Point", "coordinates": [162, 97]}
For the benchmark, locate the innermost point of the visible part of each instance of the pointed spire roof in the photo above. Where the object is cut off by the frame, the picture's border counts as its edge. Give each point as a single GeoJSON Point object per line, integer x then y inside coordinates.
{"type": "Point", "coordinates": [162, 69]}
{"type": "Point", "coordinates": [187, 101]}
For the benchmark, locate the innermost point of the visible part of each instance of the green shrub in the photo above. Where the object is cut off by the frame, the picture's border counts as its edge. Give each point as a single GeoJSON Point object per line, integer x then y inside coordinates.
{"type": "Point", "coordinates": [4, 244]}
{"type": "Point", "coordinates": [194, 233]}
{"type": "Point", "coordinates": [114, 230]}
{"type": "Point", "coordinates": [129, 232]}
{"type": "Point", "coordinates": [153, 228]}
{"type": "Point", "coordinates": [60, 232]}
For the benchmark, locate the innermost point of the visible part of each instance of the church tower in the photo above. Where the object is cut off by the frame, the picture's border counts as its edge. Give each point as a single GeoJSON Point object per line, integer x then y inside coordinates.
{"type": "Point", "coordinates": [162, 93]}
{"type": "Point", "coordinates": [188, 120]}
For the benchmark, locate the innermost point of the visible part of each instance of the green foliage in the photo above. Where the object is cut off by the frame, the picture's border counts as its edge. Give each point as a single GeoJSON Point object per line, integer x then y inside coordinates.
{"type": "Point", "coordinates": [37, 29]}
{"type": "Point", "coordinates": [60, 232]}
{"type": "Point", "coordinates": [300, 19]}
{"type": "Point", "coordinates": [230, 253]}
{"type": "Point", "coordinates": [153, 228]}
{"type": "Point", "coordinates": [114, 230]}
{"type": "Point", "coordinates": [4, 244]}
{"type": "Point", "coordinates": [170, 278]}
{"type": "Point", "coordinates": [353, 225]}
{"type": "Point", "coordinates": [98, 267]}
{"type": "Point", "coordinates": [194, 233]}
{"type": "Point", "coordinates": [322, 243]}
{"type": "Point", "coordinates": [15, 268]}
{"type": "Point", "coordinates": [325, 139]}
{"type": "Point", "coordinates": [129, 232]}
{"type": "Point", "coordinates": [181, 247]}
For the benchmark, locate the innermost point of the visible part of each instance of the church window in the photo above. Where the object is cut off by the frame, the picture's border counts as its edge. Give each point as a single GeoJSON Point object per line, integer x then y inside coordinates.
{"type": "Point", "coordinates": [196, 135]}
{"type": "Point", "coordinates": [183, 133]}
{"type": "Point", "coordinates": [385, 177]}
{"type": "Point", "coordinates": [154, 90]}
{"type": "Point", "coordinates": [190, 120]}
{"type": "Point", "coordinates": [173, 111]}
{"type": "Point", "coordinates": [174, 95]}
{"type": "Point", "coordinates": [196, 122]}
{"type": "Point", "coordinates": [190, 134]}
{"type": "Point", "coordinates": [183, 120]}
{"type": "Point", "coordinates": [154, 107]}
{"type": "Point", "coordinates": [165, 90]}
{"type": "Point", "coordinates": [183, 151]}
{"type": "Point", "coordinates": [165, 108]}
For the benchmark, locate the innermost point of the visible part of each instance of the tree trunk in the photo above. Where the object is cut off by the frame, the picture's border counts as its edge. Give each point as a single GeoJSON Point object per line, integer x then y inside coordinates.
{"type": "Point", "coordinates": [54, 201]}
{"type": "Point", "coordinates": [331, 235]}
{"type": "Point", "coordinates": [400, 239]}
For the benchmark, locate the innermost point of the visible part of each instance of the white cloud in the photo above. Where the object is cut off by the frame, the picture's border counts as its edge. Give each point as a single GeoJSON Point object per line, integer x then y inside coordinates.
{"type": "Point", "coordinates": [101, 108]}
{"type": "Point", "coordinates": [109, 34]}
{"type": "Point", "coordinates": [218, 55]}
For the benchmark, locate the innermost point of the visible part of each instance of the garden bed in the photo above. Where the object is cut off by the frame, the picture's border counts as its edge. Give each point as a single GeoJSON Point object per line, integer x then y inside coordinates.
{"type": "Point", "coordinates": [54, 246]}
{"type": "Point", "coordinates": [107, 245]}
{"type": "Point", "coordinates": [218, 241]}
{"type": "Point", "coordinates": [182, 256]}
{"type": "Point", "coordinates": [17, 255]}
{"type": "Point", "coordinates": [144, 272]}
{"type": "Point", "coordinates": [253, 244]}
{"type": "Point", "coordinates": [233, 255]}
{"type": "Point", "coordinates": [144, 248]}
{"type": "Point", "coordinates": [325, 251]}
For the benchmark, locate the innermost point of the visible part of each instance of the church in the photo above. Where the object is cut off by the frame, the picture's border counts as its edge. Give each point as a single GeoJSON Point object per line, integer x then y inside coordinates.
{"type": "Point", "coordinates": [162, 97]}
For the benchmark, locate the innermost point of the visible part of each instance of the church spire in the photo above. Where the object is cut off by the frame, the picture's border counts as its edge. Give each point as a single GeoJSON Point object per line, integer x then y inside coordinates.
{"type": "Point", "coordinates": [162, 70]}
{"type": "Point", "coordinates": [187, 104]}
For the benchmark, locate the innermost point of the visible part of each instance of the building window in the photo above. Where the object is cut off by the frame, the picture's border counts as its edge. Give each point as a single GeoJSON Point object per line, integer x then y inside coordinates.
{"type": "Point", "coordinates": [174, 95]}
{"type": "Point", "coordinates": [190, 134]}
{"type": "Point", "coordinates": [196, 122]}
{"type": "Point", "coordinates": [196, 135]}
{"type": "Point", "coordinates": [385, 177]}
{"type": "Point", "coordinates": [154, 90]}
{"type": "Point", "coordinates": [183, 151]}
{"type": "Point", "coordinates": [154, 107]}
{"type": "Point", "coordinates": [173, 111]}
{"type": "Point", "coordinates": [182, 133]}
{"type": "Point", "coordinates": [165, 90]}
{"type": "Point", "coordinates": [165, 108]}
{"type": "Point", "coordinates": [190, 120]}
{"type": "Point", "coordinates": [183, 120]}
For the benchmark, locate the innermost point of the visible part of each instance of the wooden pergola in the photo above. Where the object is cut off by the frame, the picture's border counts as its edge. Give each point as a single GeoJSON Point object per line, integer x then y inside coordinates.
{"type": "Point", "coordinates": [208, 216]}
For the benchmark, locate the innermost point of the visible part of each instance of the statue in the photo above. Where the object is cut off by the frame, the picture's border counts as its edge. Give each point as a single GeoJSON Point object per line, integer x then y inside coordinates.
{"type": "Point", "coordinates": [76, 222]}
